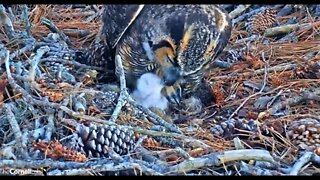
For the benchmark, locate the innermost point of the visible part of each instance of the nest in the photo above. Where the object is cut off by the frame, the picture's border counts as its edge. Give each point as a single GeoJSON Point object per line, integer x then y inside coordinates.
{"type": "Point", "coordinates": [259, 100]}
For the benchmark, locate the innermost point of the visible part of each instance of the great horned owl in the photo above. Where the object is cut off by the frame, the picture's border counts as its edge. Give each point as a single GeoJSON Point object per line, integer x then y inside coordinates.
{"type": "Point", "coordinates": [176, 42]}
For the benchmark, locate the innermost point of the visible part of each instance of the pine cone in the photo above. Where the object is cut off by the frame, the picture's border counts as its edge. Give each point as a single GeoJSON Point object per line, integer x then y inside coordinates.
{"type": "Point", "coordinates": [260, 22]}
{"type": "Point", "coordinates": [304, 133]}
{"type": "Point", "coordinates": [227, 128]}
{"type": "Point", "coordinates": [96, 140]}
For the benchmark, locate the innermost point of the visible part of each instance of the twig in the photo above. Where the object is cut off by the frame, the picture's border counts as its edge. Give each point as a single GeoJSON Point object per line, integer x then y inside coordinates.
{"type": "Point", "coordinates": [288, 28]}
{"type": "Point", "coordinates": [308, 94]}
{"type": "Point", "coordinates": [55, 29]}
{"type": "Point", "coordinates": [253, 37]}
{"type": "Point", "coordinates": [274, 98]}
{"type": "Point", "coordinates": [50, 128]}
{"type": "Point", "coordinates": [217, 159]}
{"type": "Point", "coordinates": [35, 61]}
{"type": "Point", "coordinates": [86, 117]}
{"type": "Point", "coordinates": [257, 171]}
{"type": "Point", "coordinates": [95, 8]}
{"type": "Point", "coordinates": [79, 103]}
{"type": "Point", "coordinates": [185, 139]}
{"type": "Point", "coordinates": [240, 9]}
{"type": "Point", "coordinates": [247, 15]}
{"type": "Point", "coordinates": [246, 154]}
{"type": "Point", "coordinates": [139, 142]}
{"type": "Point", "coordinates": [115, 156]}
{"type": "Point", "coordinates": [25, 14]}
{"type": "Point", "coordinates": [305, 158]}
{"type": "Point", "coordinates": [123, 90]}
{"type": "Point", "coordinates": [106, 167]}
{"type": "Point", "coordinates": [16, 130]}
{"type": "Point", "coordinates": [92, 17]}
{"type": "Point", "coordinates": [75, 168]}
{"type": "Point", "coordinates": [13, 123]}
{"type": "Point", "coordinates": [315, 159]}
{"type": "Point", "coordinates": [237, 143]}
{"type": "Point", "coordinates": [150, 156]}
{"type": "Point", "coordinates": [171, 127]}
{"type": "Point", "coordinates": [27, 47]}
{"type": "Point", "coordinates": [11, 15]}
{"type": "Point", "coordinates": [8, 27]}
{"type": "Point", "coordinates": [183, 153]}
{"type": "Point", "coordinates": [76, 32]}
{"type": "Point", "coordinates": [178, 150]}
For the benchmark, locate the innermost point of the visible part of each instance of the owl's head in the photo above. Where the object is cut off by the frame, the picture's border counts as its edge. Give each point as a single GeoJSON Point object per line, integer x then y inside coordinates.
{"type": "Point", "coordinates": [191, 42]}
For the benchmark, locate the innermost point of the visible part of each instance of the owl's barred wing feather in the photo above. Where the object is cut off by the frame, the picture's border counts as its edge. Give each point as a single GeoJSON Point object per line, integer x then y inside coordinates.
{"type": "Point", "coordinates": [117, 19]}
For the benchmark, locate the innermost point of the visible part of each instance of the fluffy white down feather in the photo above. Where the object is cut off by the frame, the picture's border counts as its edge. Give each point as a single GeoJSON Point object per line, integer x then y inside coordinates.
{"type": "Point", "coordinates": [148, 92]}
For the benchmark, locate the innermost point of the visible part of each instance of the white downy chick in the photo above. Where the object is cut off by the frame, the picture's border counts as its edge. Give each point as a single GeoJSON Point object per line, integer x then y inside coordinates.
{"type": "Point", "coordinates": [148, 92]}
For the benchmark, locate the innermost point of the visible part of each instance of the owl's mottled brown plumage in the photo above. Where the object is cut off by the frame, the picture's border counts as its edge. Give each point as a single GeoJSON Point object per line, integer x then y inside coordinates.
{"type": "Point", "coordinates": [174, 41]}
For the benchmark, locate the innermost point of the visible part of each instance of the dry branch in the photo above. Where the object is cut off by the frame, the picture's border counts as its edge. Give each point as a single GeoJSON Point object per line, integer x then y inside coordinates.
{"type": "Point", "coordinates": [50, 127]}
{"type": "Point", "coordinates": [74, 168]}
{"type": "Point", "coordinates": [257, 171]}
{"type": "Point", "coordinates": [55, 29]}
{"type": "Point", "coordinates": [28, 47]}
{"type": "Point", "coordinates": [25, 16]}
{"type": "Point", "coordinates": [238, 10]}
{"type": "Point", "coordinates": [288, 28]}
{"type": "Point", "coordinates": [247, 15]}
{"type": "Point", "coordinates": [304, 159]}
{"type": "Point", "coordinates": [308, 94]}
{"type": "Point", "coordinates": [217, 159]}
{"type": "Point", "coordinates": [35, 61]}
{"type": "Point", "coordinates": [20, 143]}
